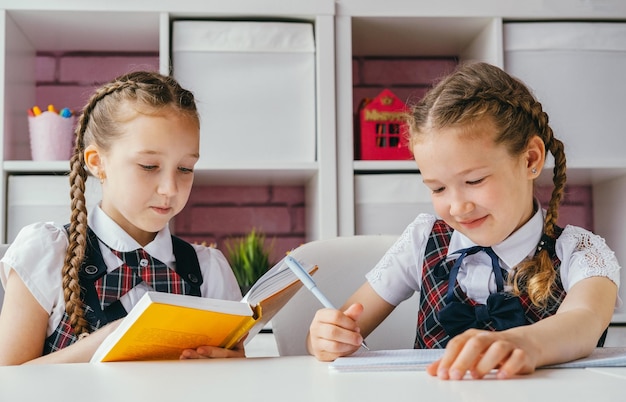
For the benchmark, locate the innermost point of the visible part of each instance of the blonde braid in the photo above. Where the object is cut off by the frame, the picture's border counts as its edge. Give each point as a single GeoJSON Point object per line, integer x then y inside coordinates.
{"type": "Point", "coordinates": [75, 253]}
{"type": "Point", "coordinates": [77, 232]}
{"type": "Point", "coordinates": [537, 275]}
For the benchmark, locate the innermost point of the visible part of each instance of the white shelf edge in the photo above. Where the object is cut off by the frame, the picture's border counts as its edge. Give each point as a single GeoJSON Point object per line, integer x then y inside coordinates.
{"type": "Point", "coordinates": [205, 7]}
{"type": "Point", "coordinates": [575, 175]}
{"type": "Point", "coordinates": [377, 166]}
{"type": "Point", "coordinates": [606, 9]}
{"type": "Point", "coordinates": [296, 173]}
{"type": "Point", "coordinates": [29, 167]}
{"type": "Point", "coordinates": [236, 174]}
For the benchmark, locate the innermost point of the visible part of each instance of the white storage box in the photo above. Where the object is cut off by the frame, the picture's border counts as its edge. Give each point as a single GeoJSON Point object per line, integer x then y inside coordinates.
{"type": "Point", "coordinates": [387, 203]}
{"type": "Point", "coordinates": [43, 199]}
{"type": "Point", "coordinates": [254, 84]}
{"type": "Point", "coordinates": [578, 72]}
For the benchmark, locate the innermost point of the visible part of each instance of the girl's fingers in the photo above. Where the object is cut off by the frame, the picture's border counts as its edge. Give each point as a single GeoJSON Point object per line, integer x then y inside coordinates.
{"type": "Point", "coordinates": [210, 352]}
{"type": "Point", "coordinates": [517, 363]}
{"type": "Point", "coordinates": [479, 352]}
{"type": "Point", "coordinates": [214, 352]}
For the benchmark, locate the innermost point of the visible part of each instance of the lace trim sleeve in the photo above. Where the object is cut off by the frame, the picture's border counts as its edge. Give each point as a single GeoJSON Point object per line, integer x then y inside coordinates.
{"type": "Point", "coordinates": [402, 251]}
{"type": "Point", "coordinates": [591, 254]}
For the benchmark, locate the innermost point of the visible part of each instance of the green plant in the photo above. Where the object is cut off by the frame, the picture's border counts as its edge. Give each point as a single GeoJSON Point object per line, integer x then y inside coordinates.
{"type": "Point", "coordinates": [248, 258]}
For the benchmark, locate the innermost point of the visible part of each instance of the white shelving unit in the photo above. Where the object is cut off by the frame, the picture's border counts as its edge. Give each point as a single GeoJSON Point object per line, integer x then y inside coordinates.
{"type": "Point", "coordinates": [65, 25]}
{"type": "Point", "coordinates": [467, 30]}
{"type": "Point", "coordinates": [343, 29]}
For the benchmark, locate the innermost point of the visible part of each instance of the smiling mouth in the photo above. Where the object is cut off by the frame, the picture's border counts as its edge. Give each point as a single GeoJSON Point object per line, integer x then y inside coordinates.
{"type": "Point", "coordinates": [162, 209]}
{"type": "Point", "coordinates": [473, 222]}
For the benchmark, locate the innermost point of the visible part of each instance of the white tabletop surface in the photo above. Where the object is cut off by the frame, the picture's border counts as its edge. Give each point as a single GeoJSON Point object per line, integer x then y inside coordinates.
{"type": "Point", "coordinates": [619, 372]}
{"type": "Point", "coordinates": [298, 378]}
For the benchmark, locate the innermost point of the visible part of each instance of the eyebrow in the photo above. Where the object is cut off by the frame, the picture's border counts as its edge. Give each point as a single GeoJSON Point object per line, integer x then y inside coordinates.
{"type": "Point", "coordinates": [461, 173]}
{"type": "Point", "coordinates": [150, 152]}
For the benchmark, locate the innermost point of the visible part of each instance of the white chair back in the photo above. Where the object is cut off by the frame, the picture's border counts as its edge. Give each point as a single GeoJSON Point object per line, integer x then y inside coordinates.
{"type": "Point", "coordinates": [3, 249]}
{"type": "Point", "coordinates": [343, 263]}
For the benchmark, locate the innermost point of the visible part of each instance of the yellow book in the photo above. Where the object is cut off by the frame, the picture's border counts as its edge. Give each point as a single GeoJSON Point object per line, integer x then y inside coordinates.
{"type": "Point", "coordinates": [162, 325]}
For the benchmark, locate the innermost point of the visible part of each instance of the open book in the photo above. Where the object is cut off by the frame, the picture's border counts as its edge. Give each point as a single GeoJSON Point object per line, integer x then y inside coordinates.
{"type": "Point", "coordinates": [162, 325]}
{"type": "Point", "coordinates": [419, 359]}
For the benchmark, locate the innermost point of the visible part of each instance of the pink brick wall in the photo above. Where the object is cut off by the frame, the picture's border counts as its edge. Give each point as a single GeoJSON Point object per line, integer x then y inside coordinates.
{"type": "Point", "coordinates": [68, 79]}
{"type": "Point", "coordinates": [216, 213]}
{"type": "Point", "coordinates": [408, 78]}
{"type": "Point", "coordinates": [576, 207]}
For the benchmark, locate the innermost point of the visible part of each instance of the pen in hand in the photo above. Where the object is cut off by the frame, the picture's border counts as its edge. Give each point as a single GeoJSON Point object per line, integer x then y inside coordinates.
{"type": "Point", "coordinates": [309, 283]}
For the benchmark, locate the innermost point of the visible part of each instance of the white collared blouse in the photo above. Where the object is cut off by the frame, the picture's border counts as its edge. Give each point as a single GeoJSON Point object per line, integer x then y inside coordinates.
{"type": "Point", "coordinates": [399, 273]}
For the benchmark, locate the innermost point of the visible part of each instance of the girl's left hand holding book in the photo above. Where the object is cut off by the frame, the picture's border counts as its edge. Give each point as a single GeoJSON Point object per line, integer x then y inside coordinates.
{"type": "Point", "coordinates": [214, 352]}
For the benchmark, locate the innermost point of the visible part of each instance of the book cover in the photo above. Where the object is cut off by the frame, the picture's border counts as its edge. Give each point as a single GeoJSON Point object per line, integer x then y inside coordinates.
{"type": "Point", "coordinates": [162, 325]}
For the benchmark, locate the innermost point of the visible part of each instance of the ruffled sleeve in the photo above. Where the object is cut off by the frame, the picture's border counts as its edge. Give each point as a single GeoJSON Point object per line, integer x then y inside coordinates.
{"type": "Point", "coordinates": [37, 256]}
{"type": "Point", "coordinates": [584, 254]}
{"type": "Point", "coordinates": [399, 272]}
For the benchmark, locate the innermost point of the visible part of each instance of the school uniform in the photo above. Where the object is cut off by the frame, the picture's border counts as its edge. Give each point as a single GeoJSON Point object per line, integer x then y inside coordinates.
{"type": "Point", "coordinates": [421, 258]}
{"type": "Point", "coordinates": [38, 251]}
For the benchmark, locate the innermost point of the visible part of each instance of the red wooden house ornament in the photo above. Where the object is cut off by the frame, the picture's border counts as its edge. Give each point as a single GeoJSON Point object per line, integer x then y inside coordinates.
{"type": "Point", "coordinates": [382, 129]}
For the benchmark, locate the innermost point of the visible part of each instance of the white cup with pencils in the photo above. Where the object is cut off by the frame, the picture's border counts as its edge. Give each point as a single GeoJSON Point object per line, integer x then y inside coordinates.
{"type": "Point", "coordinates": [51, 133]}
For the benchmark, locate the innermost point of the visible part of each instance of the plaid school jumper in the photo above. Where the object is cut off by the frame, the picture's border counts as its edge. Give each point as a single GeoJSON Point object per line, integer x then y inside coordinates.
{"type": "Point", "coordinates": [101, 290]}
{"type": "Point", "coordinates": [435, 280]}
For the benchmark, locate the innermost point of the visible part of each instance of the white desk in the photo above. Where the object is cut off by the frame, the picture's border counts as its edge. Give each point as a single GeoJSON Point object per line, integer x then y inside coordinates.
{"type": "Point", "coordinates": [619, 372]}
{"type": "Point", "coordinates": [298, 378]}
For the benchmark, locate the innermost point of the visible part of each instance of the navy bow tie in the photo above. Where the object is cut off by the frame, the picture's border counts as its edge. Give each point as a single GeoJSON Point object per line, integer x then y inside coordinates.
{"type": "Point", "coordinates": [502, 310]}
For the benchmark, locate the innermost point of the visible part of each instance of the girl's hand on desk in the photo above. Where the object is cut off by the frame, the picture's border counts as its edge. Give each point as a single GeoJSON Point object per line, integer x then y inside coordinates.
{"type": "Point", "coordinates": [334, 333]}
{"type": "Point", "coordinates": [213, 352]}
{"type": "Point", "coordinates": [479, 352]}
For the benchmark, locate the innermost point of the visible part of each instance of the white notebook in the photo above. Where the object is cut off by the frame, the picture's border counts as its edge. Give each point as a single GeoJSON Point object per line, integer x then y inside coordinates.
{"type": "Point", "coordinates": [600, 357]}
{"type": "Point", "coordinates": [386, 360]}
{"type": "Point", "coordinates": [419, 359]}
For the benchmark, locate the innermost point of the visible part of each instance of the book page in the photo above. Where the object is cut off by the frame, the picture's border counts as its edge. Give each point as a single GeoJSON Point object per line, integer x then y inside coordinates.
{"type": "Point", "coordinates": [273, 281]}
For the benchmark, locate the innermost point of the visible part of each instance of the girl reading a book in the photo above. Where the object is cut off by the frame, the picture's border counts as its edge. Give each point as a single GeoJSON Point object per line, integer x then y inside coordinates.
{"type": "Point", "coordinates": [501, 285]}
{"type": "Point", "coordinates": [67, 286]}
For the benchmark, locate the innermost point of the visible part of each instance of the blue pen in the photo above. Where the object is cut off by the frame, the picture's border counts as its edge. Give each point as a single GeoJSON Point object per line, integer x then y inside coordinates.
{"type": "Point", "coordinates": [309, 283]}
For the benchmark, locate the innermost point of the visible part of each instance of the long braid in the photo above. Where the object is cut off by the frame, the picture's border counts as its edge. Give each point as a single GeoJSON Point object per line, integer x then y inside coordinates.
{"type": "Point", "coordinates": [538, 275]}
{"type": "Point", "coordinates": [77, 244]}
{"type": "Point", "coordinates": [77, 232]}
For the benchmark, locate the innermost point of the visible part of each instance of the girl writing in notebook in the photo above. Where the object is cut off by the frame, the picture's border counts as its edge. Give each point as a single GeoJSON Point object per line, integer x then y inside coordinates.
{"type": "Point", "coordinates": [68, 286]}
{"type": "Point", "coordinates": [501, 285]}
